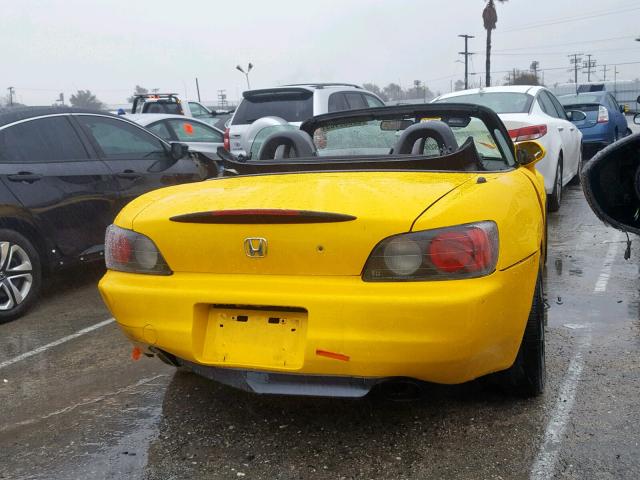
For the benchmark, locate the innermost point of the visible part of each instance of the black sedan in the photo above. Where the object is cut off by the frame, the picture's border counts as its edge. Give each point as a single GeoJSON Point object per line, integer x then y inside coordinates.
{"type": "Point", "coordinates": [64, 175]}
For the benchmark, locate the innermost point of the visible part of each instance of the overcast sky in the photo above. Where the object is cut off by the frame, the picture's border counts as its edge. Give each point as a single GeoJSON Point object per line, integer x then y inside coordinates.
{"type": "Point", "coordinates": [52, 46]}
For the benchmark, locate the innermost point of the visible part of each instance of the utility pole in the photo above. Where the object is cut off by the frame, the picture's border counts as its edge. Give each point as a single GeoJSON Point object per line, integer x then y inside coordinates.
{"type": "Point", "coordinates": [589, 64]}
{"type": "Point", "coordinates": [615, 81]}
{"type": "Point", "coordinates": [198, 89]}
{"type": "Point", "coordinates": [11, 92]}
{"type": "Point", "coordinates": [605, 69]}
{"type": "Point", "coordinates": [466, 58]}
{"type": "Point", "coordinates": [575, 60]}
{"type": "Point", "coordinates": [534, 68]}
{"type": "Point", "coordinates": [222, 98]}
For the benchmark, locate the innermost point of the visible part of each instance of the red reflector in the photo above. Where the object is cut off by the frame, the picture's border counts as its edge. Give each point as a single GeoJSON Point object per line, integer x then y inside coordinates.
{"type": "Point", "coordinates": [466, 250]}
{"type": "Point", "coordinates": [121, 250]}
{"type": "Point", "coordinates": [333, 355]}
{"type": "Point", "coordinates": [528, 133]}
{"type": "Point", "coordinates": [226, 140]}
{"type": "Point", "coordinates": [136, 353]}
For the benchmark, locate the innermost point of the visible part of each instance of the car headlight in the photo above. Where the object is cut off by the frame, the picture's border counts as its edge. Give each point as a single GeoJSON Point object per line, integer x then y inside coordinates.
{"type": "Point", "coordinates": [128, 251]}
{"type": "Point", "coordinates": [463, 251]}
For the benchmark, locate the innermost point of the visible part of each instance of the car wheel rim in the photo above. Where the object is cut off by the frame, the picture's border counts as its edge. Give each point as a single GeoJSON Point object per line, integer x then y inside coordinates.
{"type": "Point", "coordinates": [16, 275]}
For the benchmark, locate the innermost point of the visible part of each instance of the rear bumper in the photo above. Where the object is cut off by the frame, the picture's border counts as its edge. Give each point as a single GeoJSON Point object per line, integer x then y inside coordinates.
{"type": "Point", "coordinates": [443, 332]}
{"type": "Point", "coordinates": [255, 381]}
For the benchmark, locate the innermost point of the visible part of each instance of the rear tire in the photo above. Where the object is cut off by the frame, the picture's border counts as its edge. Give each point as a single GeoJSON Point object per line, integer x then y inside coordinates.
{"type": "Point", "coordinates": [527, 376]}
{"type": "Point", "coordinates": [20, 275]}
{"type": "Point", "coordinates": [555, 198]}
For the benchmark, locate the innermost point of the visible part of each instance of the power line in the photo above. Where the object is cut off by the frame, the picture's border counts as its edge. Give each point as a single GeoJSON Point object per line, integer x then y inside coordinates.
{"type": "Point", "coordinates": [571, 19]}
{"type": "Point", "coordinates": [555, 45]}
{"type": "Point", "coordinates": [561, 53]}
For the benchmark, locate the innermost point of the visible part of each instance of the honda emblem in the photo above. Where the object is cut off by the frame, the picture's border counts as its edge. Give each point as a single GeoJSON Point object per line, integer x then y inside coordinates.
{"type": "Point", "coordinates": [255, 247]}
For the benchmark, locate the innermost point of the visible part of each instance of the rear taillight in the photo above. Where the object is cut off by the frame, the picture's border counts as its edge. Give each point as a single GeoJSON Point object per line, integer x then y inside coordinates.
{"type": "Point", "coordinates": [528, 133]}
{"type": "Point", "coordinates": [464, 251]}
{"type": "Point", "coordinates": [603, 114]}
{"type": "Point", "coordinates": [227, 141]}
{"type": "Point", "coordinates": [129, 251]}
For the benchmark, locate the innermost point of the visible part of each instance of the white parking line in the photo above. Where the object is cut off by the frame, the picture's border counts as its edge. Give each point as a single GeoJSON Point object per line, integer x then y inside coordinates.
{"type": "Point", "coordinates": [60, 341]}
{"type": "Point", "coordinates": [139, 383]}
{"type": "Point", "coordinates": [545, 464]}
{"type": "Point", "coordinates": [605, 273]}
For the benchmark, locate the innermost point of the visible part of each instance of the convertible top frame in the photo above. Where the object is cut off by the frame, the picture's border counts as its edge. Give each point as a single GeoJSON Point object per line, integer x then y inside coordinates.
{"type": "Point", "coordinates": [397, 162]}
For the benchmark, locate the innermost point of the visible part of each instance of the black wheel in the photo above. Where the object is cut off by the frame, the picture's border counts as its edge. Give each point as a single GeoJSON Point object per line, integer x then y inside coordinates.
{"type": "Point", "coordinates": [527, 376]}
{"type": "Point", "coordinates": [555, 198]}
{"type": "Point", "coordinates": [616, 136]}
{"type": "Point", "coordinates": [20, 275]}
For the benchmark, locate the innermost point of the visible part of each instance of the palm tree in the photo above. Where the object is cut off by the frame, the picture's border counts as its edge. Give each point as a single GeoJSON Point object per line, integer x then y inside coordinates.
{"type": "Point", "coordinates": [490, 19]}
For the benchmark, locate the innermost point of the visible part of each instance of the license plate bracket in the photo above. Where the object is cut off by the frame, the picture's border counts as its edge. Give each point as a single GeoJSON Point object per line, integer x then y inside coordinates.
{"type": "Point", "coordinates": [255, 337]}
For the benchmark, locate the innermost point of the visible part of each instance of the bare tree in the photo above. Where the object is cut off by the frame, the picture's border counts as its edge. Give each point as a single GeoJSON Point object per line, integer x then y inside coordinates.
{"type": "Point", "coordinates": [86, 99]}
{"type": "Point", "coordinates": [137, 91]}
{"type": "Point", "coordinates": [394, 91]}
{"type": "Point", "coordinates": [490, 19]}
{"type": "Point", "coordinates": [373, 88]}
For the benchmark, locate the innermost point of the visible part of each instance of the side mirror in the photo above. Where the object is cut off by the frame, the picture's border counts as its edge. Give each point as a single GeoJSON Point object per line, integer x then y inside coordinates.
{"type": "Point", "coordinates": [576, 115]}
{"type": "Point", "coordinates": [611, 184]}
{"type": "Point", "coordinates": [636, 119]}
{"type": "Point", "coordinates": [638, 99]}
{"type": "Point", "coordinates": [529, 152]}
{"type": "Point", "coordinates": [178, 150]}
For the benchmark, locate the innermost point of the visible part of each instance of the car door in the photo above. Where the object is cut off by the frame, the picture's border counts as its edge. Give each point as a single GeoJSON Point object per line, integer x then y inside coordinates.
{"type": "Point", "coordinates": [140, 161]}
{"type": "Point", "coordinates": [619, 117]}
{"type": "Point", "coordinates": [568, 133]}
{"type": "Point", "coordinates": [71, 193]}
{"type": "Point", "coordinates": [198, 136]}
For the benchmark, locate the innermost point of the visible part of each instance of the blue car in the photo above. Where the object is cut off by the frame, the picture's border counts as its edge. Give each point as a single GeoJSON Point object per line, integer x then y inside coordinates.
{"type": "Point", "coordinates": [605, 122]}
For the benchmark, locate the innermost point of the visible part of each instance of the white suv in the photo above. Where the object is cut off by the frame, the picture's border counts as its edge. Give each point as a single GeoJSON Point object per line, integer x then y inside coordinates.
{"type": "Point", "coordinates": [295, 104]}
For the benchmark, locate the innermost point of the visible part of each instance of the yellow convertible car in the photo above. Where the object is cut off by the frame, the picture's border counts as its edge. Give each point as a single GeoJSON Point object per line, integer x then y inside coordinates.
{"type": "Point", "coordinates": [366, 248]}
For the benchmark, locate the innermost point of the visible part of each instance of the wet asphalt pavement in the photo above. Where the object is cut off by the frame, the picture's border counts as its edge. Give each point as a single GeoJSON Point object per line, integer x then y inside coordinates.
{"type": "Point", "coordinates": [79, 408]}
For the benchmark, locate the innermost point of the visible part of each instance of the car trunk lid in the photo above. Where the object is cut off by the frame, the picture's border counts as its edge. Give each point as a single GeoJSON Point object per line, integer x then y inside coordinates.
{"type": "Point", "coordinates": [288, 224]}
{"type": "Point", "coordinates": [590, 110]}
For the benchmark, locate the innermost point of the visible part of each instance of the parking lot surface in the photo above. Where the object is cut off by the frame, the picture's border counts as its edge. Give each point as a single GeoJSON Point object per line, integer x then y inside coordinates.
{"type": "Point", "coordinates": [75, 406]}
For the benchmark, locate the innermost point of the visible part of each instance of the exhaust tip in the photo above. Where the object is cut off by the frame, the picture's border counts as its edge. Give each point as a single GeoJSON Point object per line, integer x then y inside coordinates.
{"type": "Point", "coordinates": [402, 390]}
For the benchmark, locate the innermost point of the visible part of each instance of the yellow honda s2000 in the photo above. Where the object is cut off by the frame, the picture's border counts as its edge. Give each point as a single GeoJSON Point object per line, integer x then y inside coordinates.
{"type": "Point", "coordinates": [366, 247]}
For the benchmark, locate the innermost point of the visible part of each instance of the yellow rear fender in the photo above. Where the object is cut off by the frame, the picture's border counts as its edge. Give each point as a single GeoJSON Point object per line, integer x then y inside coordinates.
{"type": "Point", "coordinates": [504, 198]}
